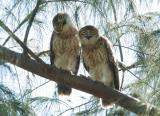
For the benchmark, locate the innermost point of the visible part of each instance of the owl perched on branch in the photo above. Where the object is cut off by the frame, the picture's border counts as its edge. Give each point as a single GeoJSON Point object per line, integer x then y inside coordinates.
{"type": "Point", "coordinates": [65, 48]}
{"type": "Point", "coordinates": [98, 58]}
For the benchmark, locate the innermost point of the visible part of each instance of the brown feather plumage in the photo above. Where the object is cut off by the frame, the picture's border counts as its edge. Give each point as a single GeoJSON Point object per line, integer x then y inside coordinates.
{"type": "Point", "coordinates": [65, 48]}
{"type": "Point", "coordinates": [98, 58]}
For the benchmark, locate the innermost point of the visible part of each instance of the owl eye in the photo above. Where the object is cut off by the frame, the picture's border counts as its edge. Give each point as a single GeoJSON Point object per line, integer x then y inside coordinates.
{"type": "Point", "coordinates": [60, 17]}
{"type": "Point", "coordinates": [84, 33]}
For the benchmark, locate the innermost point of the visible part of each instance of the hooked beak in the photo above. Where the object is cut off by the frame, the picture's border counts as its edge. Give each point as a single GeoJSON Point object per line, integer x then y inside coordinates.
{"type": "Point", "coordinates": [88, 37]}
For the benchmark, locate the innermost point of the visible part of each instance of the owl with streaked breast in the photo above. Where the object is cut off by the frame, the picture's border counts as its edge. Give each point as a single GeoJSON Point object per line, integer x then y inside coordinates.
{"type": "Point", "coordinates": [98, 58]}
{"type": "Point", "coordinates": [64, 48]}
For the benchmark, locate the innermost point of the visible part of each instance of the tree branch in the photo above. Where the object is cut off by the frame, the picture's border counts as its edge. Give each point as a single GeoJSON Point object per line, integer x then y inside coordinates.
{"type": "Point", "coordinates": [43, 53]}
{"type": "Point", "coordinates": [23, 22]}
{"type": "Point", "coordinates": [123, 67]}
{"type": "Point", "coordinates": [78, 82]}
{"type": "Point", "coordinates": [19, 42]}
{"type": "Point", "coordinates": [119, 41]}
{"type": "Point", "coordinates": [127, 68]}
{"type": "Point", "coordinates": [134, 50]}
{"type": "Point", "coordinates": [31, 21]}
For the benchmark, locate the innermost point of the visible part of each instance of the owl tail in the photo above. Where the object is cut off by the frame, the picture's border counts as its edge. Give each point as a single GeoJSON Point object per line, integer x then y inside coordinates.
{"type": "Point", "coordinates": [64, 89]}
{"type": "Point", "coordinates": [106, 104]}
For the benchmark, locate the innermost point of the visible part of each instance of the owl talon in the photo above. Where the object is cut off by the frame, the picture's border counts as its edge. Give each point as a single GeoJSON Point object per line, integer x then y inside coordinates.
{"type": "Point", "coordinates": [64, 89]}
{"type": "Point", "coordinates": [106, 104]}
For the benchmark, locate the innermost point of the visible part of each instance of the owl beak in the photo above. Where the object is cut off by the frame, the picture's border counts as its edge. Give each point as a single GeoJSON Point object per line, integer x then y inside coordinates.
{"type": "Point", "coordinates": [65, 22]}
{"type": "Point", "coordinates": [88, 37]}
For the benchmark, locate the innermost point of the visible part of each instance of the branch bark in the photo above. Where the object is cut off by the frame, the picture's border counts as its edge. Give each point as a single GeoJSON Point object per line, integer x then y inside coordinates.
{"type": "Point", "coordinates": [78, 82]}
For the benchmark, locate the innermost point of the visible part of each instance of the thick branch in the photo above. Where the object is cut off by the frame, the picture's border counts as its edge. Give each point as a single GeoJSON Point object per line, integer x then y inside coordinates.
{"type": "Point", "coordinates": [78, 82]}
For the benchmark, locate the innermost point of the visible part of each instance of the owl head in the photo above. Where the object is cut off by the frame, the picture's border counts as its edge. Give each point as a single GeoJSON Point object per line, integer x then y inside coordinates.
{"type": "Point", "coordinates": [61, 21]}
{"type": "Point", "coordinates": [88, 35]}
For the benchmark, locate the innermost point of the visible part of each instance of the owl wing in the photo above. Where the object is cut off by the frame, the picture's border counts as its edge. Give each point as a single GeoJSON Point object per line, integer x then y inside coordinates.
{"type": "Point", "coordinates": [85, 66]}
{"type": "Point", "coordinates": [78, 56]}
{"type": "Point", "coordinates": [111, 61]}
{"type": "Point", "coordinates": [52, 55]}
{"type": "Point", "coordinates": [77, 65]}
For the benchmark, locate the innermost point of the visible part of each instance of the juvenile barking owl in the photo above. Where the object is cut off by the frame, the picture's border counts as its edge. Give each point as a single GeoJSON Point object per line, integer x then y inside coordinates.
{"type": "Point", "coordinates": [65, 48]}
{"type": "Point", "coordinates": [98, 58]}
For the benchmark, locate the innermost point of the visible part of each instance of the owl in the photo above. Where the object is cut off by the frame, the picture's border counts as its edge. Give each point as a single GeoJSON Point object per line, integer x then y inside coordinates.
{"type": "Point", "coordinates": [98, 58]}
{"type": "Point", "coordinates": [64, 48]}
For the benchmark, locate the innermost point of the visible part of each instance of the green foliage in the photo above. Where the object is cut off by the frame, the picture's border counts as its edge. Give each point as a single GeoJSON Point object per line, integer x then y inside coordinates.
{"type": "Point", "coordinates": [11, 105]}
{"type": "Point", "coordinates": [118, 111]}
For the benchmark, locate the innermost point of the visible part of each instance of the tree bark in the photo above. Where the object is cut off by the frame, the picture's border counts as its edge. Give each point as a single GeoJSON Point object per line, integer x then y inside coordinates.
{"type": "Point", "coordinates": [78, 82]}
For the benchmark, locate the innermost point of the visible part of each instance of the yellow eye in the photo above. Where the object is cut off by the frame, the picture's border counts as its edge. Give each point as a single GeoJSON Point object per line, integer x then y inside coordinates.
{"type": "Point", "coordinates": [89, 31]}
{"type": "Point", "coordinates": [82, 33]}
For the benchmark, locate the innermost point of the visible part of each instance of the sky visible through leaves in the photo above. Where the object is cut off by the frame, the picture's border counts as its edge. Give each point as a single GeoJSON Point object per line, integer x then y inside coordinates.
{"type": "Point", "coordinates": [21, 81]}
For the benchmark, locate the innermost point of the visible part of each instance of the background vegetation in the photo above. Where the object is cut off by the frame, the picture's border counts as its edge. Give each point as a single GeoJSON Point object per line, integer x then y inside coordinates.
{"type": "Point", "coordinates": [131, 25]}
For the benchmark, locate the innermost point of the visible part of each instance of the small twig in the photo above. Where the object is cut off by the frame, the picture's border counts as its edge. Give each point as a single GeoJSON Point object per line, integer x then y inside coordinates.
{"type": "Point", "coordinates": [20, 42]}
{"type": "Point", "coordinates": [23, 22]}
{"type": "Point", "coordinates": [121, 56]}
{"type": "Point", "coordinates": [118, 40]}
{"type": "Point", "coordinates": [75, 107]}
{"type": "Point", "coordinates": [143, 81]}
{"type": "Point", "coordinates": [43, 52]}
{"type": "Point", "coordinates": [36, 88]}
{"type": "Point", "coordinates": [19, 86]}
{"type": "Point", "coordinates": [120, 50]}
{"type": "Point", "coordinates": [6, 40]}
{"type": "Point", "coordinates": [124, 67]}
{"type": "Point", "coordinates": [133, 50]}
{"type": "Point", "coordinates": [122, 81]}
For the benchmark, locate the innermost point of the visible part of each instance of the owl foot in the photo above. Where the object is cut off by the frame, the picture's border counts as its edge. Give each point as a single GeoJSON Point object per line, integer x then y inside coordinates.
{"type": "Point", "coordinates": [106, 104]}
{"type": "Point", "coordinates": [64, 89]}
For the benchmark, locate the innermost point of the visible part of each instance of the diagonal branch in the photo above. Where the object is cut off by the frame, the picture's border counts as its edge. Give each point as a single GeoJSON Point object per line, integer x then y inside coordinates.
{"type": "Point", "coordinates": [19, 42]}
{"type": "Point", "coordinates": [78, 82]}
{"type": "Point", "coordinates": [123, 67]}
{"type": "Point", "coordinates": [35, 88]}
{"type": "Point", "coordinates": [127, 68]}
{"type": "Point", "coordinates": [31, 21]}
{"type": "Point", "coordinates": [23, 22]}
{"type": "Point", "coordinates": [134, 50]}
{"type": "Point", "coordinates": [43, 53]}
